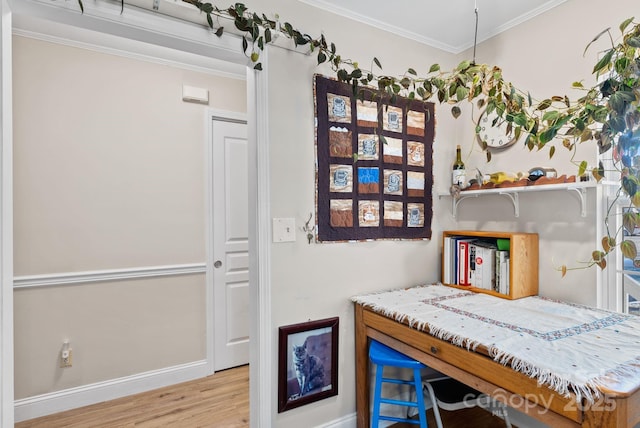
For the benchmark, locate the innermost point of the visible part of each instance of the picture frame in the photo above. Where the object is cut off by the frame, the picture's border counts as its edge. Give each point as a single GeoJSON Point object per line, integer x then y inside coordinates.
{"type": "Point", "coordinates": [307, 362]}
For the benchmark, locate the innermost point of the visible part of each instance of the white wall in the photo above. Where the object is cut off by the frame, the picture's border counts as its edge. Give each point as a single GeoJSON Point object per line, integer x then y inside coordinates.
{"type": "Point", "coordinates": [109, 175]}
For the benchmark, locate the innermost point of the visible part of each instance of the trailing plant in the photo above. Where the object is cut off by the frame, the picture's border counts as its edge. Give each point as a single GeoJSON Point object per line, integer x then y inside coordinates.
{"type": "Point", "coordinates": [607, 113]}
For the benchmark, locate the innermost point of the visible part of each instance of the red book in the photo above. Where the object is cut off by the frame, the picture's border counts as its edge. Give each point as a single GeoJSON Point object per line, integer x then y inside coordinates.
{"type": "Point", "coordinates": [463, 263]}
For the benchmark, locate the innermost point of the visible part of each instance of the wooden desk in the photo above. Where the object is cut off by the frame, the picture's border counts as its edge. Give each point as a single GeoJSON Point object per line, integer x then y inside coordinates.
{"type": "Point", "coordinates": [620, 406]}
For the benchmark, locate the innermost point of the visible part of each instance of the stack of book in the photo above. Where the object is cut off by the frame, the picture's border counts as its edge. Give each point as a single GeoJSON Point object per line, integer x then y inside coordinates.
{"type": "Point", "coordinates": [477, 262]}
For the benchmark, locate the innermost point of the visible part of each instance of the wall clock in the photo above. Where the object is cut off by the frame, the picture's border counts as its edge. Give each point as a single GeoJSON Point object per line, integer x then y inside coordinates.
{"type": "Point", "coordinates": [496, 136]}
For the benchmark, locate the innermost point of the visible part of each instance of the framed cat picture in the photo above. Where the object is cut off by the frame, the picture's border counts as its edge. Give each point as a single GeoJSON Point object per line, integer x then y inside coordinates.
{"type": "Point", "coordinates": [307, 362]}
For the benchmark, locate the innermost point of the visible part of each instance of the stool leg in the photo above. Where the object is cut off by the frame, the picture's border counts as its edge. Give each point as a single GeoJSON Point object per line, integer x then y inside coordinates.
{"type": "Point", "coordinates": [377, 391]}
{"type": "Point", "coordinates": [422, 413]}
{"type": "Point", "coordinates": [434, 402]}
{"type": "Point", "coordinates": [505, 414]}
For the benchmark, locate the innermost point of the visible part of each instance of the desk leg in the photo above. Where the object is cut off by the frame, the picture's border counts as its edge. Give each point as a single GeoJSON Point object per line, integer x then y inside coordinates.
{"type": "Point", "coordinates": [362, 370]}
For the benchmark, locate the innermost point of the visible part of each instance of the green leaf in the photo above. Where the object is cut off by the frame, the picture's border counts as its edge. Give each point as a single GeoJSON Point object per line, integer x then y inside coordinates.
{"type": "Point", "coordinates": [288, 29]}
{"type": "Point", "coordinates": [545, 104]}
{"type": "Point", "coordinates": [258, 66]}
{"type": "Point", "coordinates": [461, 93]}
{"type": "Point", "coordinates": [597, 256]}
{"type": "Point", "coordinates": [412, 71]}
{"type": "Point", "coordinates": [219, 31]}
{"type": "Point", "coordinates": [434, 67]}
{"type": "Point", "coordinates": [240, 8]}
{"type": "Point", "coordinates": [630, 186]}
{"type": "Point", "coordinates": [619, 100]}
{"type": "Point", "coordinates": [548, 135]}
{"type": "Point", "coordinates": [321, 57]}
{"type": "Point", "coordinates": [628, 248]}
{"type": "Point", "coordinates": [245, 44]}
{"type": "Point", "coordinates": [621, 64]}
{"type": "Point", "coordinates": [625, 23]}
{"type": "Point", "coordinates": [255, 32]}
{"type": "Point", "coordinates": [634, 42]}
{"type": "Point", "coordinates": [604, 61]}
{"type": "Point", "coordinates": [463, 65]}
{"type": "Point", "coordinates": [242, 24]}
{"type": "Point", "coordinates": [456, 112]}
{"type": "Point", "coordinates": [629, 221]}
{"type": "Point", "coordinates": [452, 90]}
{"type": "Point", "coordinates": [520, 119]}
{"type": "Point", "coordinates": [550, 116]}
{"type": "Point", "coordinates": [552, 151]}
{"type": "Point", "coordinates": [375, 60]}
{"type": "Point", "coordinates": [582, 168]}
{"type": "Point", "coordinates": [267, 35]}
{"type": "Point", "coordinates": [618, 124]}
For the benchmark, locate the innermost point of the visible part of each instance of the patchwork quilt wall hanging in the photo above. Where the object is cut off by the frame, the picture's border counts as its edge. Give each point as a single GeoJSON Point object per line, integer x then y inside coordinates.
{"type": "Point", "coordinates": [373, 164]}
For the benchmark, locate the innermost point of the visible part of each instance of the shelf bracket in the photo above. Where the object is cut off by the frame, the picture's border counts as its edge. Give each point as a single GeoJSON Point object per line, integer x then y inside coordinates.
{"type": "Point", "coordinates": [515, 200]}
{"type": "Point", "coordinates": [582, 195]}
{"type": "Point", "coordinates": [455, 201]}
{"type": "Point", "coordinates": [513, 193]}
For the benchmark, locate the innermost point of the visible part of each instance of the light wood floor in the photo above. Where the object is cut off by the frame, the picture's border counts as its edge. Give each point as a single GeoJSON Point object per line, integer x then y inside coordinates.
{"type": "Point", "coordinates": [220, 401]}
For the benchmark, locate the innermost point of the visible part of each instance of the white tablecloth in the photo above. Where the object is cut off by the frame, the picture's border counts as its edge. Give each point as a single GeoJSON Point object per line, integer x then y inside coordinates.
{"type": "Point", "coordinates": [569, 348]}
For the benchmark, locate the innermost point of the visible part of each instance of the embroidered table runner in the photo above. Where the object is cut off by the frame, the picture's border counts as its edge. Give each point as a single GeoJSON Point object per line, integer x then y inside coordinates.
{"type": "Point", "coordinates": [569, 348]}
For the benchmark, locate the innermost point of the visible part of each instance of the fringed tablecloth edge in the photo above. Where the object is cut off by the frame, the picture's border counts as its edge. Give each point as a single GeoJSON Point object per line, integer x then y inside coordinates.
{"type": "Point", "coordinates": [589, 390]}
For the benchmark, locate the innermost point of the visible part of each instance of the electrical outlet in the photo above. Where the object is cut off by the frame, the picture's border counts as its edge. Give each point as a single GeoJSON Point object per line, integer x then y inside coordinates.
{"type": "Point", "coordinates": [66, 355]}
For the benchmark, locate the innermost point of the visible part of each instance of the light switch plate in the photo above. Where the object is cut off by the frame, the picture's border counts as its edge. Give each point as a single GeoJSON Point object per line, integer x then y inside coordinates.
{"type": "Point", "coordinates": [284, 229]}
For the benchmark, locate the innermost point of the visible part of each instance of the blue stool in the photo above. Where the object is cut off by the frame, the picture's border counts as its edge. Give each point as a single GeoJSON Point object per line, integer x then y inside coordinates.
{"type": "Point", "coordinates": [382, 356]}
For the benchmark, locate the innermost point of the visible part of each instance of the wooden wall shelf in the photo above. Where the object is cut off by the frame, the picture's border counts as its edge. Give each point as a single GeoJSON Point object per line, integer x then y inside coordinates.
{"type": "Point", "coordinates": [523, 273]}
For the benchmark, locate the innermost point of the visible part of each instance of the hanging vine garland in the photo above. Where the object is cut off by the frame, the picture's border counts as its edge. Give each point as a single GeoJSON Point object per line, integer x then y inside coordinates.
{"type": "Point", "coordinates": [608, 113]}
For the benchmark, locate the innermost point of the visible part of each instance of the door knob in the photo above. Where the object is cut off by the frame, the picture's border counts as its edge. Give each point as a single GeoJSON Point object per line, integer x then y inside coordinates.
{"type": "Point", "coordinates": [217, 264]}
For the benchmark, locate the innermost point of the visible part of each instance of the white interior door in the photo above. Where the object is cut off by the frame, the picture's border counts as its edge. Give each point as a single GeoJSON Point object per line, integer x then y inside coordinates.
{"type": "Point", "coordinates": [230, 244]}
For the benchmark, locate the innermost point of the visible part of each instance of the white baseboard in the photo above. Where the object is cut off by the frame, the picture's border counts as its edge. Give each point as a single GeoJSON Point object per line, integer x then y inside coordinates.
{"type": "Point", "coordinates": [59, 401]}
{"type": "Point", "coordinates": [348, 421]}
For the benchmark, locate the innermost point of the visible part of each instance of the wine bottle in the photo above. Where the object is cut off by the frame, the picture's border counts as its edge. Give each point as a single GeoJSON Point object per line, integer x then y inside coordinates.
{"type": "Point", "coordinates": [459, 174]}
